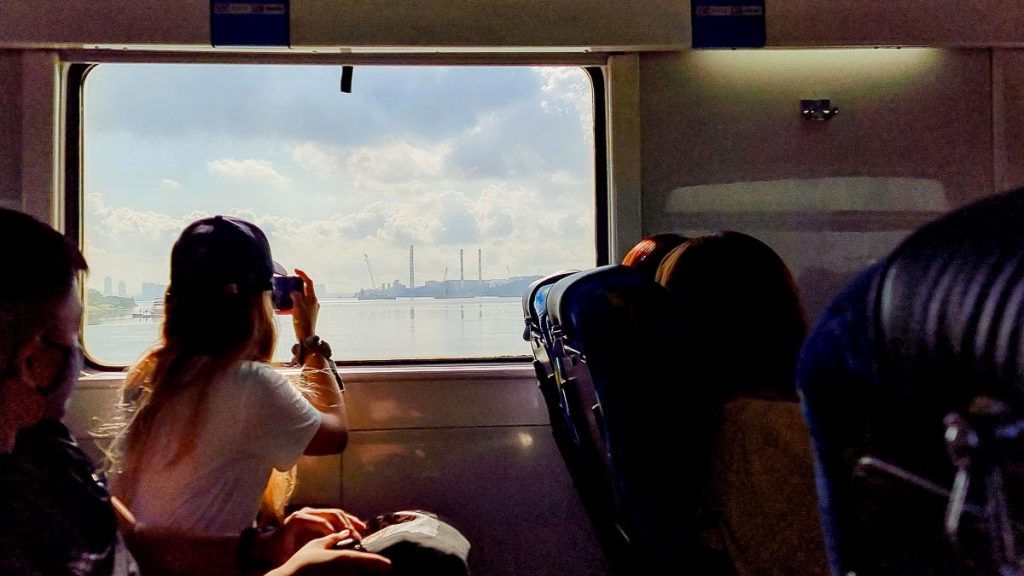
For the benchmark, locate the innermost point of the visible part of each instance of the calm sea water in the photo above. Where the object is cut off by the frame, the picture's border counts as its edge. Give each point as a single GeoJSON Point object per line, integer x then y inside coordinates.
{"type": "Point", "coordinates": [357, 330]}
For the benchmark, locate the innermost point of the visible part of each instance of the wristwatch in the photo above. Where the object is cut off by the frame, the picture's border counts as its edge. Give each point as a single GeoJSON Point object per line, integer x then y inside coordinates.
{"type": "Point", "coordinates": [314, 344]}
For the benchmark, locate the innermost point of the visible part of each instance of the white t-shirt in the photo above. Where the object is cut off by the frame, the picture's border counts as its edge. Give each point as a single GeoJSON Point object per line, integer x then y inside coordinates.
{"type": "Point", "coordinates": [253, 420]}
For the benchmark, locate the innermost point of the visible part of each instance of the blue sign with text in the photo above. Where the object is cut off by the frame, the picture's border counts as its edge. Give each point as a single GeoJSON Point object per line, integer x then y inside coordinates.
{"type": "Point", "coordinates": [249, 23]}
{"type": "Point", "coordinates": [728, 23]}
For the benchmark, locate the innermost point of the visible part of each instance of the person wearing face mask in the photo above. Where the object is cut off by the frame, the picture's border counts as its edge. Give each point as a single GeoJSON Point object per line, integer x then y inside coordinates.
{"type": "Point", "coordinates": [39, 361]}
{"type": "Point", "coordinates": [56, 516]}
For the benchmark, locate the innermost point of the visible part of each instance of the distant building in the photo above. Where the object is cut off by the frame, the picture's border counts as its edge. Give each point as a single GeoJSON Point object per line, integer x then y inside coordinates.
{"type": "Point", "coordinates": [321, 290]}
{"type": "Point", "coordinates": [412, 267]}
{"type": "Point", "coordinates": [108, 286]}
{"type": "Point", "coordinates": [122, 289]}
{"type": "Point", "coordinates": [151, 291]}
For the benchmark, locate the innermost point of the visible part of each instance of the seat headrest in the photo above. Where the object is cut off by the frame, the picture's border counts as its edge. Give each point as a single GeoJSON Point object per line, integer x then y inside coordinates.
{"type": "Point", "coordinates": [948, 306]}
{"type": "Point", "coordinates": [530, 309]}
{"type": "Point", "coordinates": [563, 300]}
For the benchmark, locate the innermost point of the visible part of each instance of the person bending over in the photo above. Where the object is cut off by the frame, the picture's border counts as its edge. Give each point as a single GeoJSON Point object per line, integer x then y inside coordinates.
{"type": "Point", "coordinates": [56, 516]}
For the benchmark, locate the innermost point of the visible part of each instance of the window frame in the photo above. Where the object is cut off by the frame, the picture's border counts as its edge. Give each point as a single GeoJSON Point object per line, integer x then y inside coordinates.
{"type": "Point", "coordinates": [78, 64]}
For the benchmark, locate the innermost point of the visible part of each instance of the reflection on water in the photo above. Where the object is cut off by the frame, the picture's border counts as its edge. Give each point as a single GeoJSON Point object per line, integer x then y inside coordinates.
{"type": "Point", "coordinates": [356, 329]}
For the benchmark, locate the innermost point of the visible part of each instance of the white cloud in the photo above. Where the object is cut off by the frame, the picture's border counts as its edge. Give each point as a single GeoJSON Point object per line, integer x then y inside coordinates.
{"type": "Point", "coordinates": [486, 123]}
{"type": "Point", "coordinates": [249, 170]}
{"type": "Point", "coordinates": [130, 245]}
{"type": "Point", "coordinates": [568, 90]}
{"type": "Point", "coordinates": [171, 184]}
{"type": "Point", "coordinates": [321, 160]}
{"type": "Point", "coordinates": [522, 228]}
{"type": "Point", "coordinates": [399, 160]}
{"type": "Point", "coordinates": [391, 162]}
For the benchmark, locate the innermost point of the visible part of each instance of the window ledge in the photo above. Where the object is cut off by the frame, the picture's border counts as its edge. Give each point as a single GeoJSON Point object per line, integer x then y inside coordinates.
{"type": "Point", "coordinates": [368, 374]}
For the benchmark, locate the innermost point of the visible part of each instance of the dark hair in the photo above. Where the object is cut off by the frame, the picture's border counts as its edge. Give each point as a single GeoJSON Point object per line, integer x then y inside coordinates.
{"type": "Point", "coordinates": [740, 296]}
{"type": "Point", "coordinates": [647, 254]}
{"type": "Point", "coordinates": [39, 266]}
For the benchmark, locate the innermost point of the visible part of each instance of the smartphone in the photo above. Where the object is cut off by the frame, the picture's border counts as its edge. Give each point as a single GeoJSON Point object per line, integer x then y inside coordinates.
{"type": "Point", "coordinates": [281, 291]}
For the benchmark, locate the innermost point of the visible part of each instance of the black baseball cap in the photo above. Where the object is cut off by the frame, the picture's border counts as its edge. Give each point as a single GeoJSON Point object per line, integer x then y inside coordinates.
{"type": "Point", "coordinates": [222, 255]}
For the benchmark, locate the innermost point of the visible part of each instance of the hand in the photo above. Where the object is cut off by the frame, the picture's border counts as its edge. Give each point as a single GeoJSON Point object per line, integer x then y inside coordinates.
{"type": "Point", "coordinates": [303, 526]}
{"type": "Point", "coordinates": [305, 308]}
{"type": "Point", "coordinates": [320, 557]}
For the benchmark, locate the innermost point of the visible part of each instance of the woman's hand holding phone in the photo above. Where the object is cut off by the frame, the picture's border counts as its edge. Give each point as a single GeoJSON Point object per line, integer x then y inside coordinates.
{"type": "Point", "coordinates": [281, 292]}
{"type": "Point", "coordinates": [305, 308]}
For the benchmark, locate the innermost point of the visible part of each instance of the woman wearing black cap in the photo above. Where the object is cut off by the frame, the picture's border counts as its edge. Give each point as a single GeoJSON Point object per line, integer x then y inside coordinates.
{"type": "Point", "coordinates": [209, 418]}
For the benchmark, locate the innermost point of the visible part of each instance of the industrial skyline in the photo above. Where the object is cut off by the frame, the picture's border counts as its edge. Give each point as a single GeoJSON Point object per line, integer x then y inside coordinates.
{"type": "Point", "coordinates": [431, 287]}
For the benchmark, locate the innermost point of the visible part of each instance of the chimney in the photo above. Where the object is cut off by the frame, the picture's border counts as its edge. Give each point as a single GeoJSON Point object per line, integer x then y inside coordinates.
{"type": "Point", "coordinates": [412, 268]}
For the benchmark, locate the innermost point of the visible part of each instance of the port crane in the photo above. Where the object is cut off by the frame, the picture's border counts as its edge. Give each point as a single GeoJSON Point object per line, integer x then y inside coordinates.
{"type": "Point", "coordinates": [373, 279]}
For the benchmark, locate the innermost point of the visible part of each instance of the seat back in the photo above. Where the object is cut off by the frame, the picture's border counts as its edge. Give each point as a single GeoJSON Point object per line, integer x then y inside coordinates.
{"type": "Point", "coordinates": [532, 307]}
{"type": "Point", "coordinates": [928, 333]}
{"type": "Point", "coordinates": [618, 351]}
{"type": "Point", "coordinates": [535, 316]}
{"type": "Point", "coordinates": [762, 492]}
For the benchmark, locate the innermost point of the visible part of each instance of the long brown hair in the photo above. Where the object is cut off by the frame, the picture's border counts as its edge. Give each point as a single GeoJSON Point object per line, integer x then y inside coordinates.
{"type": "Point", "coordinates": [739, 294]}
{"type": "Point", "coordinates": [203, 336]}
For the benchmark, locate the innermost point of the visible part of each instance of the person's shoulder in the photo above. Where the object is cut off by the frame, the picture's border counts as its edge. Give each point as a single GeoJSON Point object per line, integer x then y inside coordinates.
{"type": "Point", "coordinates": [253, 370]}
{"type": "Point", "coordinates": [267, 389]}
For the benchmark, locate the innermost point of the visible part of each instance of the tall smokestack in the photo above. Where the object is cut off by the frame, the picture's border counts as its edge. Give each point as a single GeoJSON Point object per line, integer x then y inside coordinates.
{"type": "Point", "coordinates": [480, 266]}
{"type": "Point", "coordinates": [412, 268]}
{"type": "Point", "coordinates": [462, 271]}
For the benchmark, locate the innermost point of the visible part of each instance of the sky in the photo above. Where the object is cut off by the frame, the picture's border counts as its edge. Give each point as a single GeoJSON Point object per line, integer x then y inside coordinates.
{"type": "Point", "coordinates": [492, 158]}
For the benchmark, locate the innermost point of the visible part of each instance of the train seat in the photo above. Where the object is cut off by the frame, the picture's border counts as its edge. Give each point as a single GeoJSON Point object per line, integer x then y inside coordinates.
{"type": "Point", "coordinates": [537, 333]}
{"type": "Point", "coordinates": [535, 318]}
{"type": "Point", "coordinates": [769, 525]}
{"type": "Point", "coordinates": [738, 295]}
{"type": "Point", "coordinates": [911, 385]}
{"type": "Point", "coordinates": [618, 352]}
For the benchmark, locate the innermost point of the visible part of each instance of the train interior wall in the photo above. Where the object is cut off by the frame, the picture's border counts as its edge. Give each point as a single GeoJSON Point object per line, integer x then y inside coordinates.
{"type": "Point", "coordinates": [701, 141]}
{"type": "Point", "coordinates": [919, 131]}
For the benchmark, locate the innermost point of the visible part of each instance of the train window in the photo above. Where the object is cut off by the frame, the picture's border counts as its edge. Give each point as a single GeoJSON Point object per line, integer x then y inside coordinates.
{"type": "Point", "coordinates": [422, 203]}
